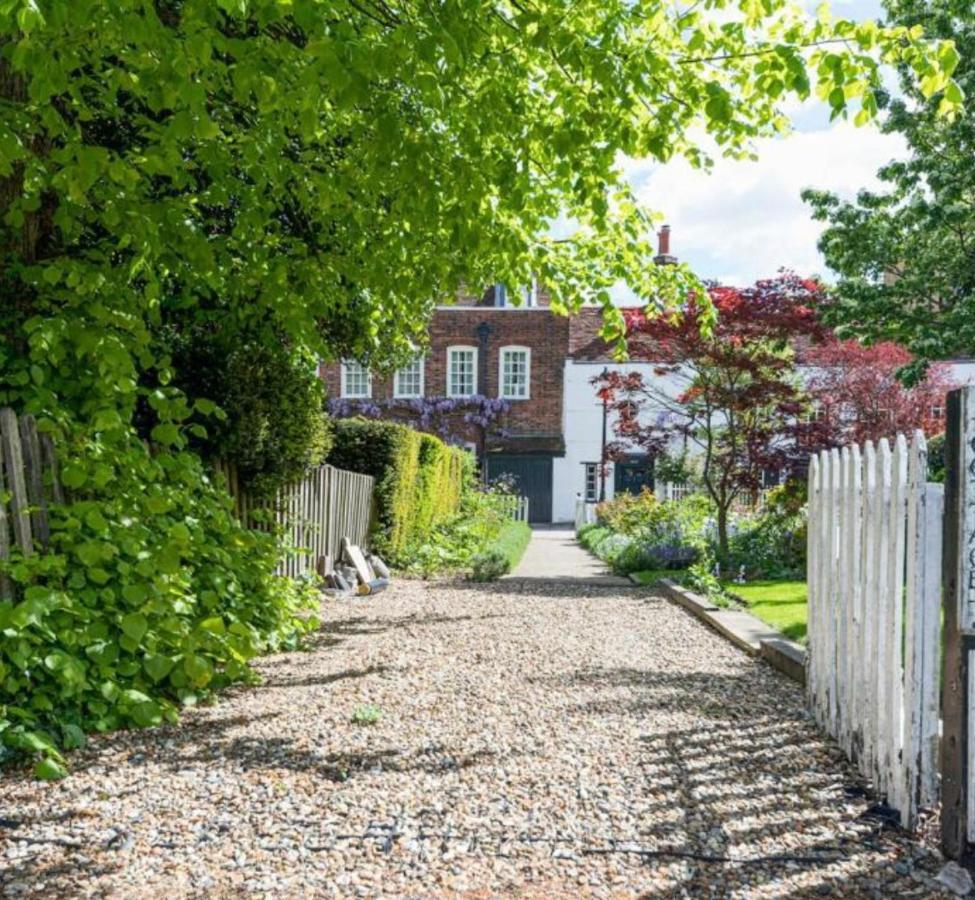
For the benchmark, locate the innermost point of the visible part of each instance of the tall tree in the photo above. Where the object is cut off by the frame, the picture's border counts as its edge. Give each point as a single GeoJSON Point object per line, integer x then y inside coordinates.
{"type": "Point", "coordinates": [906, 253]}
{"type": "Point", "coordinates": [857, 396]}
{"type": "Point", "coordinates": [345, 164]}
{"type": "Point", "coordinates": [732, 392]}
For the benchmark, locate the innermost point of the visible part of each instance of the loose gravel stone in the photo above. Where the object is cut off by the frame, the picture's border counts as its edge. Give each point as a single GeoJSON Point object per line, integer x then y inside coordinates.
{"type": "Point", "coordinates": [535, 740]}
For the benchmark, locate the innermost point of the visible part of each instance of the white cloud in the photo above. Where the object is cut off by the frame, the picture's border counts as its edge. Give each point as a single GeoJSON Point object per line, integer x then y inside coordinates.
{"type": "Point", "coordinates": [747, 217]}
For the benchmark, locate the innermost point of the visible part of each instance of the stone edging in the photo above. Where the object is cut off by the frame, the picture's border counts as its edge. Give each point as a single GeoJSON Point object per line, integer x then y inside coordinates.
{"type": "Point", "coordinates": [744, 630]}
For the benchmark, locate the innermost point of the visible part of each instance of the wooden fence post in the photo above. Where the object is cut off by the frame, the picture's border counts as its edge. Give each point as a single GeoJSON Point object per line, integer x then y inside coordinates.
{"type": "Point", "coordinates": [959, 622]}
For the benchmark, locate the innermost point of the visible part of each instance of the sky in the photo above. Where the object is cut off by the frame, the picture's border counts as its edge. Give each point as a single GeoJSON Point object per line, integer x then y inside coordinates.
{"type": "Point", "coordinates": [745, 220]}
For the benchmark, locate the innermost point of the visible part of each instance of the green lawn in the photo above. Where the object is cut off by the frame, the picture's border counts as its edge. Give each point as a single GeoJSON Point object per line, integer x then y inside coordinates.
{"type": "Point", "coordinates": [782, 604]}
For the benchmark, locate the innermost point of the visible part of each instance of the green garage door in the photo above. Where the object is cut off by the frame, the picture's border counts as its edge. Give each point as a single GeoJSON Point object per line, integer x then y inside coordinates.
{"type": "Point", "coordinates": [533, 477]}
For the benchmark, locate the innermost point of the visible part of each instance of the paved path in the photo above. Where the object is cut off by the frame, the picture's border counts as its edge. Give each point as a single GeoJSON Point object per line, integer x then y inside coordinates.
{"type": "Point", "coordinates": [554, 555]}
{"type": "Point", "coordinates": [535, 740]}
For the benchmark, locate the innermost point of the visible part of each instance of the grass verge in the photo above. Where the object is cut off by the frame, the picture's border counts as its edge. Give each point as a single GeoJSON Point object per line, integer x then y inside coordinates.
{"type": "Point", "coordinates": [503, 553]}
{"type": "Point", "coordinates": [781, 604]}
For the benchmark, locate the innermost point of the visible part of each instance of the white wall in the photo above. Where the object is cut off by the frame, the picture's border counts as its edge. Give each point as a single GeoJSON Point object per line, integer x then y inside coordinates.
{"type": "Point", "coordinates": [582, 422]}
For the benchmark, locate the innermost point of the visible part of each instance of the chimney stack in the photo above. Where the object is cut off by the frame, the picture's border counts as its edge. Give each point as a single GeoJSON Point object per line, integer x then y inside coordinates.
{"type": "Point", "coordinates": [663, 257]}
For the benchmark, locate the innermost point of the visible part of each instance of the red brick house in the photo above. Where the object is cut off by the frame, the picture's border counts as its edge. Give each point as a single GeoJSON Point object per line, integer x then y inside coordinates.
{"type": "Point", "coordinates": [485, 346]}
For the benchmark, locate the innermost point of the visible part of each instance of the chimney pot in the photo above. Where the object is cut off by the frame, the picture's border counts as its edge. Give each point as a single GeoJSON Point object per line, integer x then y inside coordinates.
{"type": "Point", "coordinates": [663, 257]}
{"type": "Point", "coordinates": [664, 241]}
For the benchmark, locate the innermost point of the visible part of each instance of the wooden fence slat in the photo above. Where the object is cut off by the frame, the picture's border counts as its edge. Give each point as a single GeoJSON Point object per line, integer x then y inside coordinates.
{"type": "Point", "coordinates": [6, 584]}
{"type": "Point", "coordinates": [873, 614]}
{"type": "Point", "coordinates": [34, 479]}
{"type": "Point", "coordinates": [16, 481]}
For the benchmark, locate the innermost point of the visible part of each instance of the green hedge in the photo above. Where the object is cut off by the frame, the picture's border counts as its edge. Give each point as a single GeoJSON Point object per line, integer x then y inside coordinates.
{"type": "Point", "coordinates": [420, 481]}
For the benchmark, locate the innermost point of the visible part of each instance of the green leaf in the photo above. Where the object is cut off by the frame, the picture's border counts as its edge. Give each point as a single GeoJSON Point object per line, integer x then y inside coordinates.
{"type": "Point", "coordinates": [49, 769]}
{"type": "Point", "coordinates": [158, 667]}
{"type": "Point", "coordinates": [134, 626]}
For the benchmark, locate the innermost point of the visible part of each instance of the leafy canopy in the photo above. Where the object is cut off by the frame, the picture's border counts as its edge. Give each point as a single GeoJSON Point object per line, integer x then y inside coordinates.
{"type": "Point", "coordinates": [347, 163]}
{"type": "Point", "coordinates": [904, 252]}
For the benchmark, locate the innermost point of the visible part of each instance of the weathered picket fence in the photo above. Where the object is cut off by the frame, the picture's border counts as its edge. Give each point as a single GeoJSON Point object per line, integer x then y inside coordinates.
{"type": "Point", "coordinates": [29, 482]}
{"type": "Point", "coordinates": [514, 507]}
{"type": "Point", "coordinates": [874, 577]}
{"type": "Point", "coordinates": [314, 514]}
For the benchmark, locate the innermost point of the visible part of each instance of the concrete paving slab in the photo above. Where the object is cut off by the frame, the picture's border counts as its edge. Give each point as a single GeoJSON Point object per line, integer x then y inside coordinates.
{"type": "Point", "coordinates": [554, 555]}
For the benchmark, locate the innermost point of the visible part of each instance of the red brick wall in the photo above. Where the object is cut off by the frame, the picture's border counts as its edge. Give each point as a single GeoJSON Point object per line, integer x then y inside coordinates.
{"type": "Point", "coordinates": [539, 328]}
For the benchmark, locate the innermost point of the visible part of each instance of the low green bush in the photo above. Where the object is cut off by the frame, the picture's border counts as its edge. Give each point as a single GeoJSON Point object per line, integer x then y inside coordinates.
{"type": "Point", "coordinates": [420, 481]}
{"type": "Point", "coordinates": [150, 597]}
{"type": "Point", "coordinates": [503, 554]}
{"type": "Point", "coordinates": [637, 532]}
{"type": "Point", "coordinates": [771, 544]}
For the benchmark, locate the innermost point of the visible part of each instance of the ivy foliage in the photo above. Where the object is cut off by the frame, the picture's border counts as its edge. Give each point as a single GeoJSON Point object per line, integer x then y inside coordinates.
{"type": "Point", "coordinates": [420, 481]}
{"type": "Point", "coordinates": [152, 595]}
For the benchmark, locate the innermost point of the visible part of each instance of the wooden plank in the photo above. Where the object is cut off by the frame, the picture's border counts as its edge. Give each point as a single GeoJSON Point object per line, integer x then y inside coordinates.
{"type": "Point", "coordinates": [855, 564]}
{"type": "Point", "coordinates": [51, 467]}
{"type": "Point", "coordinates": [869, 591]}
{"type": "Point", "coordinates": [884, 650]}
{"type": "Point", "coordinates": [34, 478]}
{"type": "Point", "coordinates": [959, 599]}
{"type": "Point", "coordinates": [359, 562]}
{"type": "Point", "coordinates": [895, 584]}
{"type": "Point", "coordinates": [921, 628]}
{"type": "Point", "coordinates": [16, 481]}
{"type": "Point", "coordinates": [6, 584]}
{"type": "Point", "coordinates": [813, 583]}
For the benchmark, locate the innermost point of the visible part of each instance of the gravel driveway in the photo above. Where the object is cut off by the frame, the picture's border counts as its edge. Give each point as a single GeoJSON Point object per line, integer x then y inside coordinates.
{"type": "Point", "coordinates": [535, 740]}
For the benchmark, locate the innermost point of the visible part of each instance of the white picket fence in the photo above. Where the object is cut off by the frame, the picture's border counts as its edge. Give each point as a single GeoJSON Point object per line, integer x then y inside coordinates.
{"type": "Point", "coordinates": [514, 506]}
{"type": "Point", "coordinates": [874, 573]}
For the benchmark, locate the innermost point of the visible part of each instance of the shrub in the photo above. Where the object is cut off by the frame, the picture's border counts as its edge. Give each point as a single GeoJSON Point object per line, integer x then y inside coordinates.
{"type": "Point", "coordinates": [936, 458]}
{"type": "Point", "coordinates": [420, 481]}
{"type": "Point", "coordinates": [273, 426]}
{"type": "Point", "coordinates": [489, 565]}
{"type": "Point", "coordinates": [151, 596]}
{"type": "Point", "coordinates": [640, 532]}
{"type": "Point", "coordinates": [503, 554]}
{"type": "Point", "coordinates": [772, 544]}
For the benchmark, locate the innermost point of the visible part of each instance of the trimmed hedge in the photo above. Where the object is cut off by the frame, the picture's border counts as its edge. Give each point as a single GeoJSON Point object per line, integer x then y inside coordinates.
{"type": "Point", "coordinates": [420, 481]}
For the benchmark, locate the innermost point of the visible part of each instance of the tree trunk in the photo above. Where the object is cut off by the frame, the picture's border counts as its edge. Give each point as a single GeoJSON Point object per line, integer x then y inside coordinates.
{"type": "Point", "coordinates": [723, 531]}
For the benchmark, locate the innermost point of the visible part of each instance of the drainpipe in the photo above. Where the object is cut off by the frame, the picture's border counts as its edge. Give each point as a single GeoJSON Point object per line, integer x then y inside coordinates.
{"type": "Point", "coordinates": [482, 332]}
{"type": "Point", "coordinates": [602, 451]}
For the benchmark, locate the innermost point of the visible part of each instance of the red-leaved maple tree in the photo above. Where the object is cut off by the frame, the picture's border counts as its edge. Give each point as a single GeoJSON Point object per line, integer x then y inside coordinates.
{"type": "Point", "coordinates": [731, 390]}
{"type": "Point", "coordinates": [857, 396]}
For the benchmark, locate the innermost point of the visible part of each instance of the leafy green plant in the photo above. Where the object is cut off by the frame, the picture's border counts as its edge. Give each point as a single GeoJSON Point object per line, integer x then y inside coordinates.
{"type": "Point", "coordinates": [503, 554]}
{"type": "Point", "coordinates": [152, 596]}
{"type": "Point", "coordinates": [367, 714]}
{"type": "Point", "coordinates": [489, 565]}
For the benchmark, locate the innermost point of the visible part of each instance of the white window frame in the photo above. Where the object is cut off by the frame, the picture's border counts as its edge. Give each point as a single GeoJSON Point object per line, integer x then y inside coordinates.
{"type": "Point", "coordinates": [590, 468]}
{"type": "Point", "coordinates": [399, 393]}
{"type": "Point", "coordinates": [500, 295]}
{"type": "Point", "coordinates": [518, 348]}
{"type": "Point", "coordinates": [450, 366]}
{"type": "Point", "coordinates": [345, 381]}
{"type": "Point", "coordinates": [530, 294]}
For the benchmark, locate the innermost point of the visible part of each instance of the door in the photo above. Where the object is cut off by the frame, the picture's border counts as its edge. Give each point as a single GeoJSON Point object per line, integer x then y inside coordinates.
{"type": "Point", "coordinates": [533, 479]}
{"type": "Point", "coordinates": [633, 475]}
